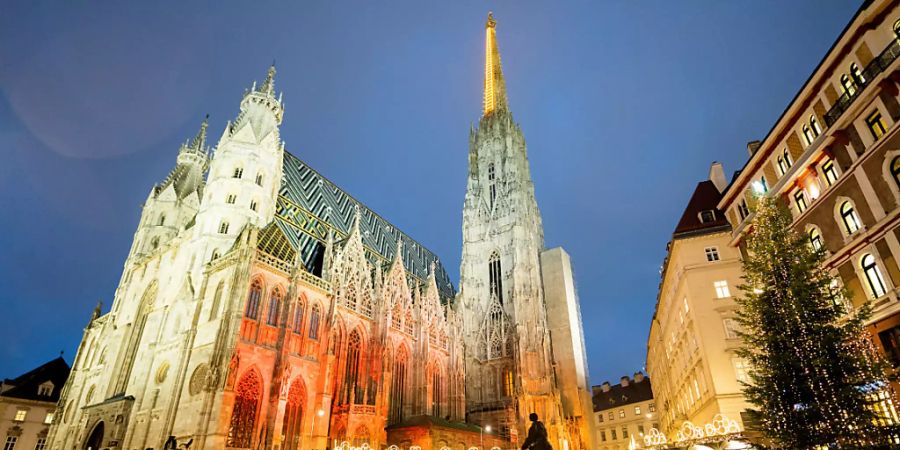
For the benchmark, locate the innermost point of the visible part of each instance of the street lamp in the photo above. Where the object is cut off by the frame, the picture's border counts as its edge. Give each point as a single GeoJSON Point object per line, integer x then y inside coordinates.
{"type": "Point", "coordinates": [481, 434]}
{"type": "Point", "coordinates": [312, 431]}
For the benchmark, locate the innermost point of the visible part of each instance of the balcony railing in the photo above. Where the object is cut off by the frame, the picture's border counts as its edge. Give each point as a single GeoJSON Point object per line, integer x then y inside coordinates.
{"type": "Point", "coordinates": [874, 68]}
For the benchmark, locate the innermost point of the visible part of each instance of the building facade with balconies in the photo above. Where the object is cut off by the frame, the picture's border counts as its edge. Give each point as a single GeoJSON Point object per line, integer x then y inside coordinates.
{"type": "Point", "coordinates": [834, 157]}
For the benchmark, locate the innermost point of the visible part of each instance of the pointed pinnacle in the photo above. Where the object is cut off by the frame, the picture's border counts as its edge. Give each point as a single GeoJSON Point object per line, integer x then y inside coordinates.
{"type": "Point", "coordinates": [268, 86]}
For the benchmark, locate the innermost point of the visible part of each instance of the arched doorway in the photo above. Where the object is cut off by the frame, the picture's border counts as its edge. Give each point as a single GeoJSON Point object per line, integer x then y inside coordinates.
{"type": "Point", "coordinates": [293, 415]}
{"type": "Point", "coordinates": [96, 438]}
{"type": "Point", "coordinates": [248, 394]}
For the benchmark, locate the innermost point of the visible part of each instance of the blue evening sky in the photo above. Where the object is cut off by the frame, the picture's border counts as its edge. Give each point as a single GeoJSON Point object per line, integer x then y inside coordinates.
{"type": "Point", "coordinates": [623, 104]}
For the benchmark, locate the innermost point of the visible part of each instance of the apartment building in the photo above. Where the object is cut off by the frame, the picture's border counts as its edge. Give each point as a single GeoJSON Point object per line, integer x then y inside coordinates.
{"type": "Point", "coordinates": [834, 157]}
{"type": "Point", "coordinates": [624, 413]}
{"type": "Point", "coordinates": [694, 335]}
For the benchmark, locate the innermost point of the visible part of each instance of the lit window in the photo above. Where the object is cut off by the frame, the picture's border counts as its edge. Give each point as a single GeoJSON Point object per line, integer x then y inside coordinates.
{"type": "Point", "coordinates": [895, 170]}
{"type": "Point", "coordinates": [848, 85]}
{"type": "Point", "coordinates": [873, 276]}
{"type": "Point", "coordinates": [48, 419]}
{"type": "Point", "coordinates": [829, 171]}
{"type": "Point", "coordinates": [740, 369]}
{"type": "Point", "coordinates": [849, 217]}
{"type": "Point", "coordinates": [743, 210]}
{"type": "Point", "coordinates": [641, 429]}
{"type": "Point", "coordinates": [637, 410]}
{"type": "Point", "coordinates": [712, 253]}
{"type": "Point", "coordinates": [611, 415]}
{"type": "Point", "coordinates": [876, 125]}
{"type": "Point", "coordinates": [652, 407]}
{"type": "Point", "coordinates": [722, 289]}
{"type": "Point", "coordinates": [20, 415]}
{"type": "Point", "coordinates": [259, 179]}
{"type": "Point", "coordinates": [808, 134]}
{"type": "Point", "coordinates": [231, 199]}
{"type": "Point", "coordinates": [621, 413]}
{"type": "Point", "coordinates": [800, 200]}
{"type": "Point", "coordinates": [815, 239]}
{"type": "Point", "coordinates": [707, 216]}
{"type": "Point", "coordinates": [731, 328]}
{"type": "Point", "coordinates": [253, 205]}
{"type": "Point", "coordinates": [223, 228]}
{"type": "Point", "coordinates": [784, 161]}
{"type": "Point", "coordinates": [857, 74]}
{"type": "Point", "coordinates": [45, 389]}
{"type": "Point", "coordinates": [763, 184]}
{"type": "Point", "coordinates": [814, 126]}
{"type": "Point", "coordinates": [897, 29]}
{"type": "Point", "coordinates": [238, 172]}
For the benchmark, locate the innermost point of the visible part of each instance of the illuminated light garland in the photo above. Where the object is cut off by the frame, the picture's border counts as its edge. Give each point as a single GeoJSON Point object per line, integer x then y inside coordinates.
{"type": "Point", "coordinates": [654, 438]}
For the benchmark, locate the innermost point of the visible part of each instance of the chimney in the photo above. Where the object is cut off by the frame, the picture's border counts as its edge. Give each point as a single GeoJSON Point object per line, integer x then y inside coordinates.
{"type": "Point", "coordinates": [717, 176]}
{"type": "Point", "coordinates": [624, 381]}
{"type": "Point", "coordinates": [605, 386]}
{"type": "Point", "coordinates": [638, 377]}
{"type": "Point", "coordinates": [752, 147]}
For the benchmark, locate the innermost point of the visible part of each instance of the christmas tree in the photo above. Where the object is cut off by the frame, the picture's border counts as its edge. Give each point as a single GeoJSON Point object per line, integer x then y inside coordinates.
{"type": "Point", "coordinates": [814, 370]}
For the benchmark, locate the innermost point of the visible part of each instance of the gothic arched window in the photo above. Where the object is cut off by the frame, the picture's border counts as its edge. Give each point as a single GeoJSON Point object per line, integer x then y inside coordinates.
{"type": "Point", "coordinates": [298, 317]}
{"type": "Point", "coordinates": [873, 276]}
{"type": "Point", "coordinates": [849, 218]}
{"type": "Point", "coordinates": [238, 172]}
{"type": "Point", "coordinates": [437, 387]}
{"type": "Point", "coordinates": [314, 323]}
{"type": "Point", "coordinates": [495, 276]}
{"type": "Point", "coordinates": [162, 219]}
{"type": "Point", "coordinates": [259, 179]}
{"type": "Point", "coordinates": [217, 299]}
{"type": "Point", "coordinates": [351, 391]}
{"type": "Point", "coordinates": [274, 307]}
{"type": "Point", "coordinates": [492, 184]}
{"type": "Point", "coordinates": [243, 416]}
{"type": "Point", "coordinates": [398, 386]}
{"type": "Point", "coordinates": [895, 170]}
{"type": "Point", "coordinates": [293, 415]}
{"type": "Point", "coordinates": [252, 311]}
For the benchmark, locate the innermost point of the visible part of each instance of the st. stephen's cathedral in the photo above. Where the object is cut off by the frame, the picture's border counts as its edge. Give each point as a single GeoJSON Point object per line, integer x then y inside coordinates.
{"type": "Point", "coordinates": [262, 307]}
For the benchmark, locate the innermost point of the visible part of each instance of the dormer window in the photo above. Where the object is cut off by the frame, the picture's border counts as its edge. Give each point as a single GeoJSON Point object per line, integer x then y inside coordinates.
{"type": "Point", "coordinates": [238, 172]}
{"type": "Point", "coordinates": [45, 389]}
{"type": "Point", "coordinates": [707, 216]}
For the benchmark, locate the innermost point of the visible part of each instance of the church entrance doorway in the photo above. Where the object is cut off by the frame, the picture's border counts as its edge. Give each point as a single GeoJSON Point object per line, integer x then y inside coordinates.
{"type": "Point", "coordinates": [96, 438]}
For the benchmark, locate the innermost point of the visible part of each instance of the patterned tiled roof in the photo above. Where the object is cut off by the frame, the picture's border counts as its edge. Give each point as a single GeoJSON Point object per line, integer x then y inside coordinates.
{"type": "Point", "coordinates": [618, 396]}
{"type": "Point", "coordinates": [309, 205]}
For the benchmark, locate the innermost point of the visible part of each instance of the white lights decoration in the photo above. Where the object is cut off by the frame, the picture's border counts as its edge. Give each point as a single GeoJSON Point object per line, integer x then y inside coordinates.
{"type": "Point", "coordinates": [654, 438]}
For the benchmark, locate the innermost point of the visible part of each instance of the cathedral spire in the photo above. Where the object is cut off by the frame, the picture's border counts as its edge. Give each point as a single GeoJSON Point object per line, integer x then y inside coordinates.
{"type": "Point", "coordinates": [268, 86]}
{"type": "Point", "coordinates": [199, 141]}
{"type": "Point", "coordinates": [494, 86]}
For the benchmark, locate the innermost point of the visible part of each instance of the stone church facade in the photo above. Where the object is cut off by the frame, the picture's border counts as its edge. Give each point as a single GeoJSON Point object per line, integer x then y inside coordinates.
{"type": "Point", "coordinates": [261, 306]}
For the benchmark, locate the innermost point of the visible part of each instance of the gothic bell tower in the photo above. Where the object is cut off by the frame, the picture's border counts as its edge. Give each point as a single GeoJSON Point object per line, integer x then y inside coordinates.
{"type": "Point", "coordinates": [509, 368]}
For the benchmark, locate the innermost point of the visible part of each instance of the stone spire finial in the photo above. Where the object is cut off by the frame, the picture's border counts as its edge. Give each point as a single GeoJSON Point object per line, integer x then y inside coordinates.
{"type": "Point", "coordinates": [268, 86]}
{"type": "Point", "coordinates": [494, 86]}
{"type": "Point", "coordinates": [199, 141]}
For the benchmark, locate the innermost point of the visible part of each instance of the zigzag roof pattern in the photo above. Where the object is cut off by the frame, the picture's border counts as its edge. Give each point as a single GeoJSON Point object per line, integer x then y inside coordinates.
{"type": "Point", "coordinates": [310, 206]}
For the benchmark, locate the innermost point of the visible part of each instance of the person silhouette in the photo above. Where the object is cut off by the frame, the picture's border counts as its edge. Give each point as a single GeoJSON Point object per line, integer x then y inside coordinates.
{"type": "Point", "coordinates": [537, 435]}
